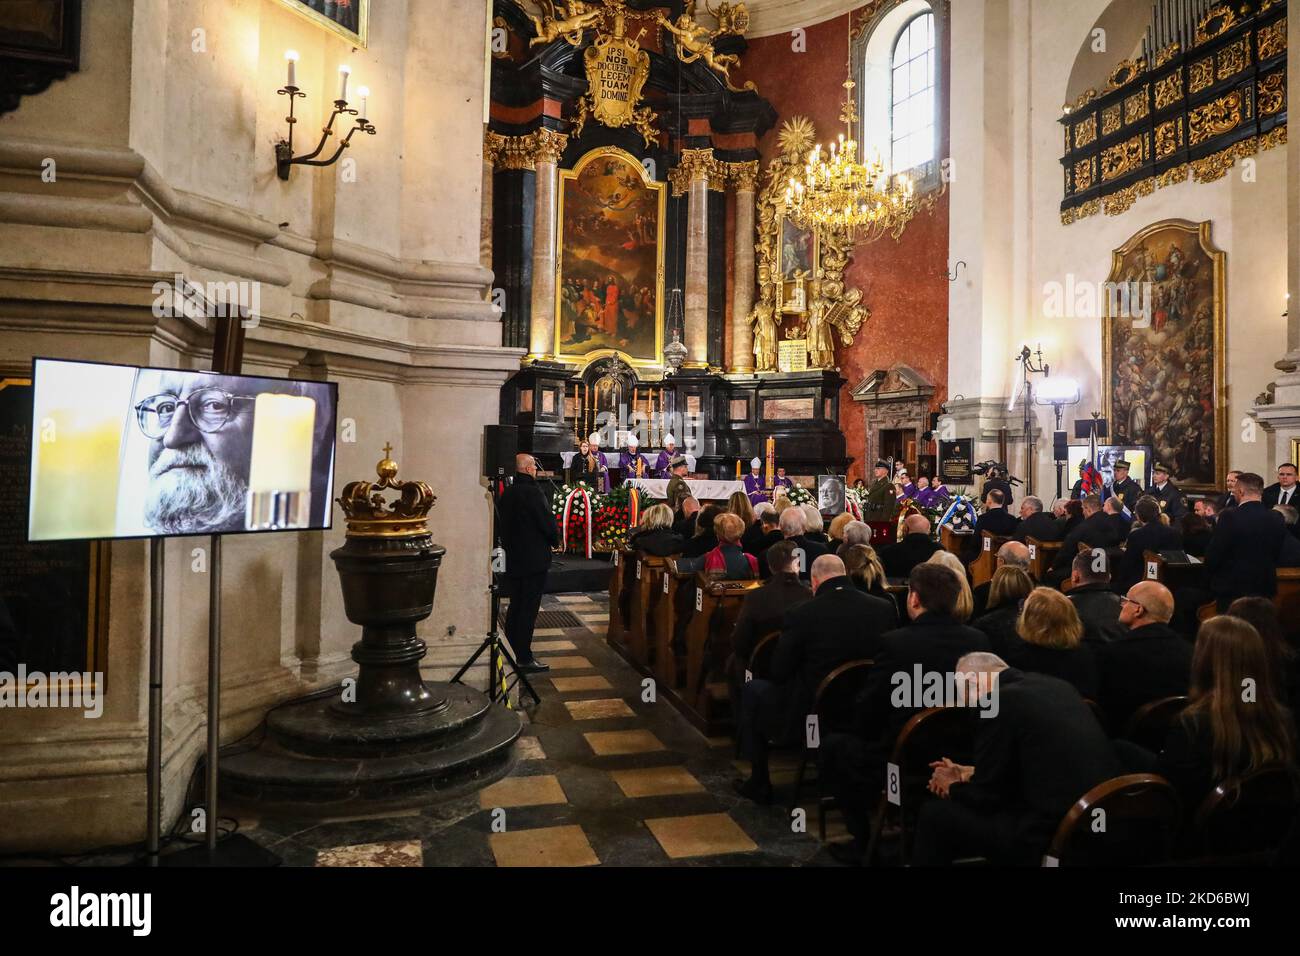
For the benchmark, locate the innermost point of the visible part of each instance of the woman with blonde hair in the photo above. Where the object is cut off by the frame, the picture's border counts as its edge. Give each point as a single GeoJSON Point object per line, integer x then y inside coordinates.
{"type": "Point", "coordinates": [1224, 732]}
{"type": "Point", "coordinates": [726, 560]}
{"type": "Point", "coordinates": [654, 533]}
{"type": "Point", "coordinates": [864, 569]}
{"type": "Point", "coordinates": [838, 524]}
{"type": "Point", "coordinates": [1050, 634]}
{"type": "Point", "coordinates": [965, 600]}
{"type": "Point", "coordinates": [740, 506]}
{"type": "Point", "coordinates": [1008, 589]}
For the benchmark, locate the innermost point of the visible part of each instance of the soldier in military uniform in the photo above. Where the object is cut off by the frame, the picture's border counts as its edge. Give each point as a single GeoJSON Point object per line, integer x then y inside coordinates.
{"type": "Point", "coordinates": [1166, 492]}
{"type": "Point", "coordinates": [1126, 489]}
{"type": "Point", "coordinates": [678, 489]}
{"type": "Point", "coordinates": [881, 500]}
{"type": "Point", "coordinates": [1077, 492]}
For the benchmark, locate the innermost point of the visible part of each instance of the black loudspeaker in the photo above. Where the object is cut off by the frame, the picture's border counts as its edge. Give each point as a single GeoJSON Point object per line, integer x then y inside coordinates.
{"type": "Point", "coordinates": [500, 445]}
{"type": "Point", "coordinates": [1083, 428]}
{"type": "Point", "coordinates": [1060, 446]}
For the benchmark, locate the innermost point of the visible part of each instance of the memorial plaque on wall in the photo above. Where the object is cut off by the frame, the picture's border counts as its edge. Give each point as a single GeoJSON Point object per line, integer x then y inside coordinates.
{"type": "Point", "coordinates": [53, 596]}
{"type": "Point", "coordinates": [792, 355]}
{"type": "Point", "coordinates": [955, 461]}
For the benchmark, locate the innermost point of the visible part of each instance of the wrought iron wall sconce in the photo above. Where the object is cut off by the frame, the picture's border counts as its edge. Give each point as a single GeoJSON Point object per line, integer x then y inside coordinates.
{"type": "Point", "coordinates": [284, 157]}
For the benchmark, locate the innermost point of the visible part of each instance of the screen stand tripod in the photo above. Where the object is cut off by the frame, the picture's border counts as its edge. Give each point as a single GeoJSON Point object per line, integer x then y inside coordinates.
{"type": "Point", "coordinates": [499, 658]}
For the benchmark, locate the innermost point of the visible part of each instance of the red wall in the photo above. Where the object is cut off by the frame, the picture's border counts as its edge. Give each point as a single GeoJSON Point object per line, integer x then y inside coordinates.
{"type": "Point", "coordinates": [904, 282]}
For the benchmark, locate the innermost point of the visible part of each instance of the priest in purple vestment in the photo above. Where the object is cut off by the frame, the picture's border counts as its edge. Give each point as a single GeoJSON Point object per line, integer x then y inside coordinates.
{"type": "Point", "coordinates": [632, 464]}
{"type": "Point", "coordinates": [754, 483]}
{"type": "Point", "coordinates": [602, 463]}
{"type": "Point", "coordinates": [663, 463]}
{"type": "Point", "coordinates": [781, 480]}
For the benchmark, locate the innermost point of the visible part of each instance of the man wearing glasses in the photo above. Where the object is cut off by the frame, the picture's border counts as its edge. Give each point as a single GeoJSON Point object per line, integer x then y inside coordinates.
{"type": "Point", "coordinates": [1148, 660]}
{"type": "Point", "coordinates": [200, 428]}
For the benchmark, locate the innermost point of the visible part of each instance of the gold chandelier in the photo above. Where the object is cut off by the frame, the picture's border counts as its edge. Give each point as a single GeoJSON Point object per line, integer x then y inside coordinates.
{"type": "Point", "coordinates": [839, 192]}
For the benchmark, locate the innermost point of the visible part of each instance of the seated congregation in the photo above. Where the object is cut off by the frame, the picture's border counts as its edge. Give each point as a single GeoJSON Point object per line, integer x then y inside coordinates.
{"type": "Point", "coordinates": [980, 699]}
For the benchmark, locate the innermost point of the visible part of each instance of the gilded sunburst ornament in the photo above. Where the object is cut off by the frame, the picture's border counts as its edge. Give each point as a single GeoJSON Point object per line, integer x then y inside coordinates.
{"type": "Point", "coordinates": [796, 138]}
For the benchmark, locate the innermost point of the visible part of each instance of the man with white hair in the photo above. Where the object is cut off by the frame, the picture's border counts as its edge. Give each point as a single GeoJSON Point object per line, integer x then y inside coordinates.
{"type": "Point", "coordinates": [1038, 749]}
{"type": "Point", "coordinates": [814, 525]}
{"type": "Point", "coordinates": [857, 532]}
{"type": "Point", "coordinates": [793, 526]}
{"type": "Point", "coordinates": [764, 532]}
{"type": "Point", "coordinates": [1013, 554]}
{"type": "Point", "coordinates": [1035, 522]}
{"type": "Point", "coordinates": [663, 463]}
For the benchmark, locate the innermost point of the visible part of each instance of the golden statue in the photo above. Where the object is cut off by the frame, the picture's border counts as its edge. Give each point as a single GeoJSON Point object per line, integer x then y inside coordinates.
{"type": "Point", "coordinates": [821, 334]}
{"type": "Point", "coordinates": [731, 17]}
{"type": "Point", "coordinates": [578, 18]}
{"type": "Point", "coordinates": [763, 318]}
{"type": "Point", "coordinates": [695, 42]}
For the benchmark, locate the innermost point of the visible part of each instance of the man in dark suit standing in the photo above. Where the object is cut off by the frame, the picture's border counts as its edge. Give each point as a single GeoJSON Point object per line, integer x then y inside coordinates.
{"type": "Point", "coordinates": [996, 519]}
{"type": "Point", "coordinates": [1150, 534]}
{"type": "Point", "coordinates": [838, 625]}
{"type": "Point", "coordinates": [1166, 492]}
{"type": "Point", "coordinates": [1228, 499]}
{"type": "Point", "coordinates": [1035, 522]}
{"type": "Point", "coordinates": [900, 558]}
{"type": "Point", "coordinates": [1243, 554]}
{"type": "Point", "coordinates": [528, 533]}
{"type": "Point", "coordinates": [852, 764]}
{"type": "Point", "coordinates": [1039, 752]}
{"type": "Point", "coordinates": [1284, 490]}
{"type": "Point", "coordinates": [1148, 660]}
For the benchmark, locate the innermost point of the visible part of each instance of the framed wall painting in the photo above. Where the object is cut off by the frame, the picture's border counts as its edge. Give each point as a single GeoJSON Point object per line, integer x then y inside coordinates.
{"type": "Point", "coordinates": [1164, 350]}
{"type": "Point", "coordinates": [610, 275]}
{"type": "Point", "coordinates": [349, 19]}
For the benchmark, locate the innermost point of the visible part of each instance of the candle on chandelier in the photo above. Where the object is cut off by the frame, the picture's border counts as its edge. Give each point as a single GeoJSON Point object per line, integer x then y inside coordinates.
{"type": "Point", "coordinates": [291, 61]}
{"type": "Point", "coordinates": [344, 72]}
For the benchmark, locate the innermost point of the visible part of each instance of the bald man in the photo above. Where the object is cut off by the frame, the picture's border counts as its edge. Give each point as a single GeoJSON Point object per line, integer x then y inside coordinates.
{"type": "Point", "coordinates": [1147, 661]}
{"type": "Point", "coordinates": [528, 533]}
{"type": "Point", "coordinates": [915, 548]}
{"type": "Point", "coordinates": [839, 624]}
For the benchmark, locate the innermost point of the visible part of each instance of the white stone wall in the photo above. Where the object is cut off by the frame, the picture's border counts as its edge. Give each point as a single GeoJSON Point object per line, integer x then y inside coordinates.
{"type": "Point", "coordinates": [165, 163]}
{"type": "Point", "coordinates": [1012, 61]}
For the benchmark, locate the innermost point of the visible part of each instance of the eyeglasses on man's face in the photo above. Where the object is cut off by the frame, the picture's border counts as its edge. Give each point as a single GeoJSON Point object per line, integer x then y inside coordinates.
{"type": "Point", "coordinates": [209, 410]}
{"type": "Point", "coordinates": [1128, 600]}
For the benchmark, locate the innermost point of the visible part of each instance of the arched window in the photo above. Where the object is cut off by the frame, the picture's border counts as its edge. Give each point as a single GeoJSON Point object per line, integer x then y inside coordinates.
{"type": "Point", "coordinates": [912, 98]}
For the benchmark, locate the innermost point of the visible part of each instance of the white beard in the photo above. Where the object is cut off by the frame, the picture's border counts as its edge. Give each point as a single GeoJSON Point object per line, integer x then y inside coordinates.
{"type": "Point", "coordinates": [184, 501]}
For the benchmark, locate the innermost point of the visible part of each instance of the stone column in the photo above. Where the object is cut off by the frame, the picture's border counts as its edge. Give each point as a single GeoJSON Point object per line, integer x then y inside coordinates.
{"type": "Point", "coordinates": [692, 177]}
{"type": "Point", "coordinates": [745, 177]}
{"type": "Point", "coordinates": [545, 148]}
{"type": "Point", "coordinates": [490, 149]}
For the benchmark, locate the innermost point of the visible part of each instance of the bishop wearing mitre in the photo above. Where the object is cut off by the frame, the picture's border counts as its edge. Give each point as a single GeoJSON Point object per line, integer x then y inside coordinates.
{"type": "Point", "coordinates": [632, 464]}
{"type": "Point", "coordinates": [754, 482]}
{"type": "Point", "coordinates": [663, 463]}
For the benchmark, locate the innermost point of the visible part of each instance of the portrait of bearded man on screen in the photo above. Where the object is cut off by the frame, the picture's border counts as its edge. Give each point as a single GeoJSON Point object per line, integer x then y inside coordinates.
{"type": "Point", "coordinates": [200, 428]}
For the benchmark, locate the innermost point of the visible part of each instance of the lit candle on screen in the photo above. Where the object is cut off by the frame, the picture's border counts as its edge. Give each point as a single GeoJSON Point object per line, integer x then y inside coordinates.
{"type": "Point", "coordinates": [279, 476]}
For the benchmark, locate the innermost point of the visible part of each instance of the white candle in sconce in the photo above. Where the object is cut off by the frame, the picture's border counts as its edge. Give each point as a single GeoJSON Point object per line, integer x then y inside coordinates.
{"type": "Point", "coordinates": [364, 93]}
{"type": "Point", "coordinates": [291, 57]}
{"type": "Point", "coordinates": [344, 72]}
{"type": "Point", "coordinates": [279, 474]}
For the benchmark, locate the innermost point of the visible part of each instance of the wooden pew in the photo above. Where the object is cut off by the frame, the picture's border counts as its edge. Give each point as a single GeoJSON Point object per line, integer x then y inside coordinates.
{"type": "Point", "coordinates": [620, 598]}
{"type": "Point", "coordinates": [669, 666]}
{"type": "Point", "coordinates": [1172, 576]}
{"type": "Point", "coordinates": [985, 563]}
{"type": "Point", "coordinates": [1042, 554]}
{"type": "Point", "coordinates": [708, 643]}
{"type": "Point", "coordinates": [645, 598]}
{"type": "Point", "coordinates": [1287, 601]}
{"type": "Point", "coordinates": [954, 541]}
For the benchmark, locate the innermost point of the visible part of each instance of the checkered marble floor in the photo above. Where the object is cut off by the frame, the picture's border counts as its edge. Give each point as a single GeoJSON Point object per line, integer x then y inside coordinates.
{"type": "Point", "coordinates": [602, 777]}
